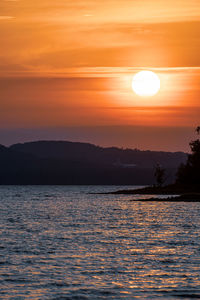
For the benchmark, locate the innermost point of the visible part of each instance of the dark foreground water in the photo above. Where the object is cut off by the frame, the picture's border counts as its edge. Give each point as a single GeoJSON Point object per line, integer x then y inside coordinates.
{"type": "Point", "coordinates": [61, 243]}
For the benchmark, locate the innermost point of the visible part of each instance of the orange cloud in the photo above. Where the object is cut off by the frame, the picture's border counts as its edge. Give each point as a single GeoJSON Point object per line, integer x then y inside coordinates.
{"type": "Point", "coordinates": [83, 100]}
{"type": "Point", "coordinates": [48, 35]}
{"type": "Point", "coordinates": [65, 63]}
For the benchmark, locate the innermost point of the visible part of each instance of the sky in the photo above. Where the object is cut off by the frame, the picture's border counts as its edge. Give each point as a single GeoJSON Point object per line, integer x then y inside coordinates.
{"type": "Point", "coordinates": [66, 70]}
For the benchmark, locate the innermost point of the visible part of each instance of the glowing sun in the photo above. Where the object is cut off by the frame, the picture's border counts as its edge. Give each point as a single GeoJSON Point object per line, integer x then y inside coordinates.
{"type": "Point", "coordinates": [146, 83]}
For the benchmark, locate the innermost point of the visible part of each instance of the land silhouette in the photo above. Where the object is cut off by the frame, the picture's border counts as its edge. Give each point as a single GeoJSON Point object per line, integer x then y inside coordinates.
{"type": "Point", "coordinates": [63, 162]}
{"type": "Point", "coordinates": [187, 181]}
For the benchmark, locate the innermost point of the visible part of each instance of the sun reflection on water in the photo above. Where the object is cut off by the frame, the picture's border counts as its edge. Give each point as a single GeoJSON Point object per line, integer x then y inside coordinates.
{"type": "Point", "coordinates": [71, 244]}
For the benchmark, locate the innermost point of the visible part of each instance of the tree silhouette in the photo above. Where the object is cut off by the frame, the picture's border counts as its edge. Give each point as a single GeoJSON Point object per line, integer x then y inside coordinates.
{"type": "Point", "coordinates": [189, 173]}
{"type": "Point", "coordinates": [159, 175]}
{"type": "Point", "coordinates": [198, 129]}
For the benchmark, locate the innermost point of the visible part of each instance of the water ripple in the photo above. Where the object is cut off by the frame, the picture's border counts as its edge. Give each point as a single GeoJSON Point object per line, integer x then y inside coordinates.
{"type": "Point", "coordinates": [61, 242]}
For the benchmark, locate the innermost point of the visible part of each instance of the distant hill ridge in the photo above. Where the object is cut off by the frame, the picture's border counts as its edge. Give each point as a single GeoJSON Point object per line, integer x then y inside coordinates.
{"type": "Point", "coordinates": [92, 153]}
{"type": "Point", "coordinates": [64, 162]}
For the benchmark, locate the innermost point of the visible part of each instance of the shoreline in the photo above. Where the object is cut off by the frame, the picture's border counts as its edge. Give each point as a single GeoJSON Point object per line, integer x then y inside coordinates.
{"type": "Point", "coordinates": [152, 190]}
{"type": "Point", "coordinates": [189, 194]}
{"type": "Point", "coordinates": [182, 198]}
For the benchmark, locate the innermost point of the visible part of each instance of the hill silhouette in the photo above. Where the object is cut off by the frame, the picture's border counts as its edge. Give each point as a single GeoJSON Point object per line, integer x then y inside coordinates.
{"type": "Point", "coordinates": [186, 185]}
{"type": "Point", "coordinates": [63, 162]}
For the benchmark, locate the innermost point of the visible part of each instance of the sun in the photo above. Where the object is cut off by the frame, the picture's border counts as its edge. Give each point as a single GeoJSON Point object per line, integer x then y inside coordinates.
{"type": "Point", "coordinates": [146, 83]}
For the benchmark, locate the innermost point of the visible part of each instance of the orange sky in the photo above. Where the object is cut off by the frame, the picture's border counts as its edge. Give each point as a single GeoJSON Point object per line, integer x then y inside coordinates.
{"type": "Point", "coordinates": [70, 63]}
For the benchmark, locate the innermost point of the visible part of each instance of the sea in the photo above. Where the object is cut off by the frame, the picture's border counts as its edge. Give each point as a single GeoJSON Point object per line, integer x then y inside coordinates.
{"type": "Point", "coordinates": [72, 242]}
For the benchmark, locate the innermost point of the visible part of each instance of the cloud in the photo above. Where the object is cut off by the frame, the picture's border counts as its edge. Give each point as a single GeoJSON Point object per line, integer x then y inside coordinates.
{"type": "Point", "coordinates": [48, 35]}
{"type": "Point", "coordinates": [6, 18]}
{"type": "Point", "coordinates": [72, 12]}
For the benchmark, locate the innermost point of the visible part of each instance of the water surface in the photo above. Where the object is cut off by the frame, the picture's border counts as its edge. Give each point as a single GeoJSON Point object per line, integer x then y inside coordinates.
{"type": "Point", "coordinates": [60, 242]}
